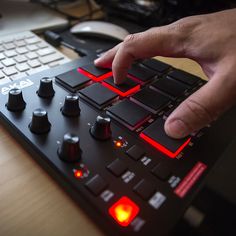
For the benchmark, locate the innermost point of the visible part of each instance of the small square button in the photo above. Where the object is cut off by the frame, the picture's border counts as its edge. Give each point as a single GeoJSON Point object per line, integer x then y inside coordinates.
{"type": "Point", "coordinates": [96, 185]}
{"type": "Point", "coordinates": [142, 73]}
{"type": "Point", "coordinates": [184, 77]}
{"type": "Point", "coordinates": [170, 86]}
{"type": "Point", "coordinates": [129, 114]}
{"type": "Point", "coordinates": [72, 80]}
{"type": "Point", "coordinates": [161, 171]}
{"type": "Point", "coordinates": [156, 136]}
{"type": "Point", "coordinates": [124, 89]}
{"type": "Point", "coordinates": [150, 100]}
{"type": "Point", "coordinates": [95, 73]}
{"type": "Point", "coordinates": [144, 189]}
{"type": "Point", "coordinates": [117, 167]}
{"type": "Point", "coordinates": [135, 152]}
{"type": "Point", "coordinates": [98, 95]}
{"type": "Point", "coordinates": [156, 65]}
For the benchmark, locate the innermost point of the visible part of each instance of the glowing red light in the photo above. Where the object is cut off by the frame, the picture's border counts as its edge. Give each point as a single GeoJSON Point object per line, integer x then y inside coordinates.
{"type": "Point", "coordinates": [118, 143]}
{"type": "Point", "coordinates": [162, 148]}
{"type": "Point", "coordinates": [124, 211]}
{"type": "Point", "coordinates": [93, 77]}
{"type": "Point", "coordinates": [78, 174]}
{"type": "Point", "coordinates": [123, 94]}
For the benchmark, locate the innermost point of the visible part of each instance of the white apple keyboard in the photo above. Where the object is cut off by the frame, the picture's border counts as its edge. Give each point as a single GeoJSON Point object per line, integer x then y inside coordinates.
{"type": "Point", "coordinates": [25, 53]}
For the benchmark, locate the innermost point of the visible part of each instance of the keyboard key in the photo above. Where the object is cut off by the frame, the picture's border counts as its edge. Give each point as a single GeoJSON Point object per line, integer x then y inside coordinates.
{"type": "Point", "coordinates": [22, 67]}
{"type": "Point", "coordinates": [42, 45]}
{"type": "Point", "coordinates": [150, 100]}
{"type": "Point", "coordinates": [141, 73]}
{"type": "Point", "coordinates": [129, 114]}
{"type": "Point", "coordinates": [10, 71]}
{"type": "Point", "coordinates": [124, 89]}
{"type": "Point", "coordinates": [117, 167]}
{"type": "Point", "coordinates": [20, 58]}
{"type": "Point", "coordinates": [22, 50]}
{"type": "Point", "coordinates": [161, 171]}
{"type": "Point", "coordinates": [156, 65]}
{"type": "Point", "coordinates": [34, 63]}
{"type": "Point", "coordinates": [98, 95]}
{"type": "Point", "coordinates": [10, 53]}
{"type": "Point", "coordinates": [20, 43]}
{"type": "Point", "coordinates": [32, 47]}
{"type": "Point", "coordinates": [169, 86]}
{"type": "Point", "coordinates": [9, 46]}
{"type": "Point", "coordinates": [96, 185]}
{"type": "Point", "coordinates": [155, 135]}
{"type": "Point", "coordinates": [45, 51]}
{"type": "Point", "coordinates": [32, 40]}
{"type": "Point", "coordinates": [135, 152]}
{"type": "Point", "coordinates": [144, 189]}
{"type": "Point", "coordinates": [31, 55]}
{"type": "Point", "coordinates": [50, 58]}
{"type": "Point", "coordinates": [95, 73]}
{"type": "Point", "coordinates": [184, 77]}
{"type": "Point", "coordinates": [8, 62]}
{"type": "Point", "coordinates": [1, 48]}
{"type": "Point", "coordinates": [72, 80]}
{"type": "Point", "coordinates": [1, 65]}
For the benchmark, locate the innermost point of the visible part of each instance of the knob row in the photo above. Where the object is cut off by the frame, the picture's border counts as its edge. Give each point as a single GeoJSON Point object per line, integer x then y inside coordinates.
{"type": "Point", "coordinates": [16, 103]}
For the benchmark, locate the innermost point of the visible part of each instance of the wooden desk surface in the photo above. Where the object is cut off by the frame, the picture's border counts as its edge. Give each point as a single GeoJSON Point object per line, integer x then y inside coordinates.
{"type": "Point", "coordinates": [31, 202]}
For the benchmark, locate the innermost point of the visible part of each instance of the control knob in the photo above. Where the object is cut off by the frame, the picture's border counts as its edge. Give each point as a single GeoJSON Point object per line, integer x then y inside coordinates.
{"type": "Point", "coordinates": [71, 106]}
{"type": "Point", "coordinates": [46, 88]}
{"type": "Point", "coordinates": [69, 150]}
{"type": "Point", "coordinates": [101, 129]}
{"type": "Point", "coordinates": [15, 100]}
{"type": "Point", "coordinates": [40, 123]}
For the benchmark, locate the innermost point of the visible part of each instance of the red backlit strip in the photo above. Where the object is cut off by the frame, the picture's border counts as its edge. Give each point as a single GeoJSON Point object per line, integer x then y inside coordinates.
{"type": "Point", "coordinates": [123, 94]}
{"type": "Point", "coordinates": [162, 148]}
{"type": "Point", "coordinates": [190, 179]}
{"type": "Point", "coordinates": [93, 77]}
{"type": "Point", "coordinates": [124, 211]}
{"type": "Point", "coordinates": [135, 79]}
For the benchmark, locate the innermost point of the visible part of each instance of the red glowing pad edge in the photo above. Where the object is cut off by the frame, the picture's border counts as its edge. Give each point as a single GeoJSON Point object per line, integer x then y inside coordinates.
{"type": "Point", "coordinates": [162, 148]}
{"type": "Point", "coordinates": [124, 211]}
{"type": "Point", "coordinates": [93, 77]}
{"type": "Point", "coordinates": [123, 94]}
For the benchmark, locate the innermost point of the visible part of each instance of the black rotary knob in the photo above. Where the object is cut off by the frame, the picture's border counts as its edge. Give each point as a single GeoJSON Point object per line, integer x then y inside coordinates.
{"type": "Point", "coordinates": [15, 100]}
{"type": "Point", "coordinates": [101, 129]}
{"type": "Point", "coordinates": [69, 150]}
{"type": "Point", "coordinates": [46, 88]}
{"type": "Point", "coordinates": [71, 106]}
{"type": "Point", "coordinates": [40, 123]}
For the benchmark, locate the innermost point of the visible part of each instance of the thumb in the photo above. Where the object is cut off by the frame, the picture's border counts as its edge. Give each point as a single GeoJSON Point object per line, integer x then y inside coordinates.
{"type": "Point", "coordinates": [202, 107]}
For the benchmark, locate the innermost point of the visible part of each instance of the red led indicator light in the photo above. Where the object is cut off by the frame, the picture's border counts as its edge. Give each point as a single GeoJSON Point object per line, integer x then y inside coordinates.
{"type": "Point", "coordinates": [162, 148]}
{"type": "Point", "coordinates": [118, 144]}
{"type": "Point", "coordinates": [124, 211]}
{"type": "Point", "coordinates": [123, 94]}
{"type": "Point", "coordinates": [93, 77]}
{"type": "Point", "coordinates": [78, 174]}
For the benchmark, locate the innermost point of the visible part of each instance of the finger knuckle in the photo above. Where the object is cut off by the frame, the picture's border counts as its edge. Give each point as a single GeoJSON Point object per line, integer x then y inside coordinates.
{"type": "Point", "coordinates": [200, 110]}
{"type": "Point", "coordinates": [129, 39]}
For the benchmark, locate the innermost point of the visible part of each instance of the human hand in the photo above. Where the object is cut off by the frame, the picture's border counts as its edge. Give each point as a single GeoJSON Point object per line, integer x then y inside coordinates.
{"type": "Point", "coordinates": [208, 39]}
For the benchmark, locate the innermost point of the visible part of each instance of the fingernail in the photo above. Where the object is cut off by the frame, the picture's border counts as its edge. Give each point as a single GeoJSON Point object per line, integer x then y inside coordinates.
{"type": "Point", "coordinates": [177, 129]}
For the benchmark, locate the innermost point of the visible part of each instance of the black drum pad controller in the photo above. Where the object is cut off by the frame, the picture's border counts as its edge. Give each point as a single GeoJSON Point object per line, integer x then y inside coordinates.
{"type": "Point", "coordinates": [106, 144]}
